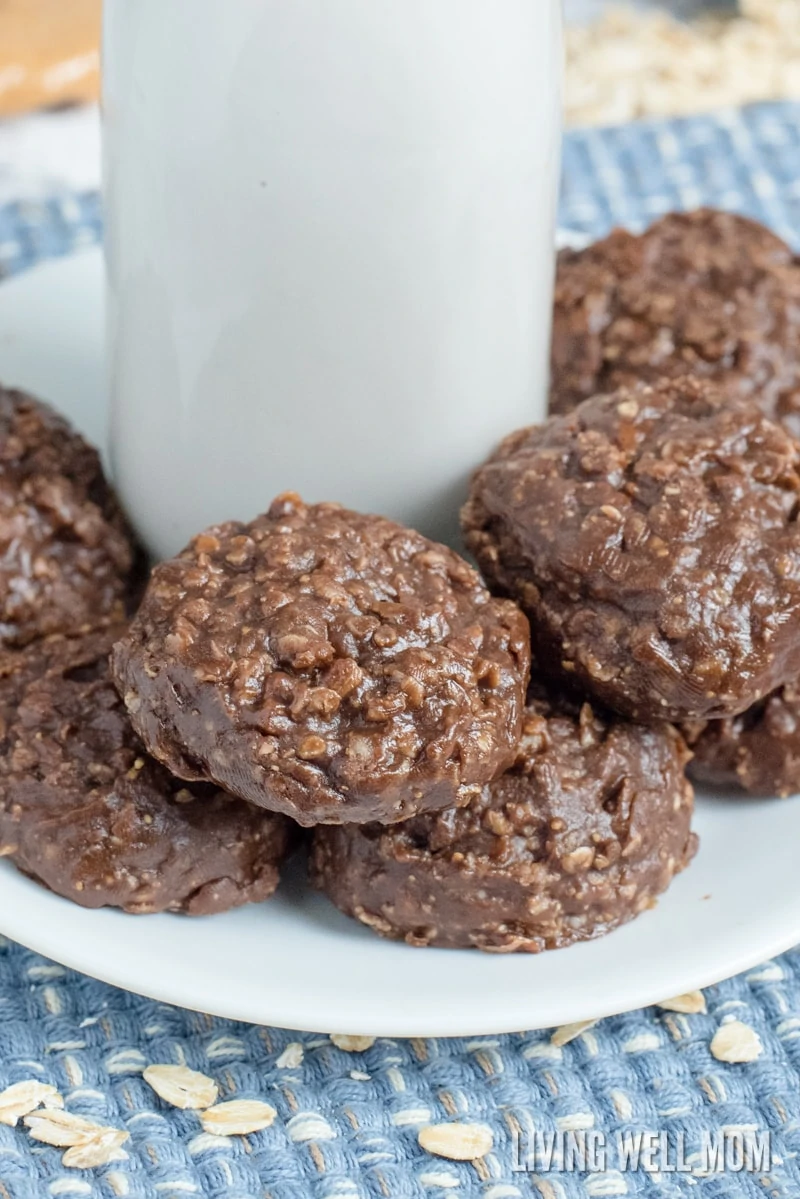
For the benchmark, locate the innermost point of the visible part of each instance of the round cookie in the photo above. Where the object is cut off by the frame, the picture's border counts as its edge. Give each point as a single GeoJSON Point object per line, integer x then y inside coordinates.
{"type": "Point", "coordinates": [582, 834]}
{"type": "Point", "coordinates": [704, 293]}
{"type": "Point", "coordinates": [85, 811]}
{"type": "Point", "coordinates": [329, 665]}
{"type": "Point", "coordinates": [758, 751]}
{"type": "Point", "coordinates": [652, 538]}
{"type": "Point", "coordinates": [66, 555]}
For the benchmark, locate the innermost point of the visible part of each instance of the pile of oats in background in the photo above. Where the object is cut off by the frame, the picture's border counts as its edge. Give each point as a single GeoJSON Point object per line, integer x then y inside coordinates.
{"type": "Point", "coordinates": [632, 62]}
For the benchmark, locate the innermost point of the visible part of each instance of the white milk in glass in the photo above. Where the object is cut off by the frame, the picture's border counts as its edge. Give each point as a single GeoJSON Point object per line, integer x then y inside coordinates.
{"type": "Point", "coordinates": [330, 250]}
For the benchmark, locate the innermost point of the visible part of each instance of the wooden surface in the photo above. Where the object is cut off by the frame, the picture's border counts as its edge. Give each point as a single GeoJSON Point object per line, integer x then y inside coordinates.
{"type": "Point", "coordinates": [48, 53]}
{"type": "Point", "coordinates": [580, 11]}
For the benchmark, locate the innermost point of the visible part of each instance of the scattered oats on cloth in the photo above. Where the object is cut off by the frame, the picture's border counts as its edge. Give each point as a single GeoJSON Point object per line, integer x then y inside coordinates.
{"type": "Point", "coordinates": [689, 1004]}
{"type": "Point", "coordinates": [105, 1147]}
{"type": "Point", "coordinates": [238, 1117]}
{"type": "Point", "coordinates": [292, 1056]}
{"type": "Point", "coordinates": [54, 1126]}
{"type": "Point", "coordinates": [87, 1143]}
{"type": "Point", "coordinates": [458, 1142]}
{"type": "Point", "coordinates": [352, 1044]}
{"type": "Point", "coordinates": [569, 1032]}
{"type": "Point", "coordinates": [21, 1098]}
{"type": "Point", "coordinates": [736, 1042]}
{"type": "Point", "coordinates": [181, 1086]}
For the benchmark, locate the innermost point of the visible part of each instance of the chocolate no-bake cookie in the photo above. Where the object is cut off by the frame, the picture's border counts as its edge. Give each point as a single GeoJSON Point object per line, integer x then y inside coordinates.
{"type": "Point", "coordinates": [589, 826]}
{"type": "Point", "coordinates": [66, 554]}
{"type": "Point", "coordinates": [329, 665]}
{"type": "Point", "coordinates": [759, 750]}
{"type": "Point", "coordinates": [88, 813]}
{"type": "Point", "coordinates": [704, 293]}
{"type": "Point", "coordinates": [652, 538]}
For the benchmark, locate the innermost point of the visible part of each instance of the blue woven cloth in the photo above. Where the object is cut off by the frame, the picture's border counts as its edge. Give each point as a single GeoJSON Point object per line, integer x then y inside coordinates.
{"type": "Point", "coordinates": [347, 1123]}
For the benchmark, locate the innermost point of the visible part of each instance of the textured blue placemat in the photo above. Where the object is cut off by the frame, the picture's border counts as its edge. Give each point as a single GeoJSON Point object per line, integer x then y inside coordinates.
{"type": "Point", "coordinates": [347, 1123]}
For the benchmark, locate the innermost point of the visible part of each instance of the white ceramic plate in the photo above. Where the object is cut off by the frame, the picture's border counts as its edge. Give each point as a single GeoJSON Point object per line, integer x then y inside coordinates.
{"type": "Point", "coordinates": [298, 963]}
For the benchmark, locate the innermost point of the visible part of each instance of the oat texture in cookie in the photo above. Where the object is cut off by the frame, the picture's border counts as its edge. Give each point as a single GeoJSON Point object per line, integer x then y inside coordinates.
{"type": "Point", "coordinates": [652, 538]}
{"type": "Point", "coordinates": [581, 835]}
{"type": "Point", "coordinates": [66, 554]}
{"type": "Point", "coordinates": [704, 293]}
{"type": "Point", "coordinates": [86, 811]}
{"type": "Point", "coordinates": [758, 750]}
{"type": "Point", "coordinates": [332, 666]}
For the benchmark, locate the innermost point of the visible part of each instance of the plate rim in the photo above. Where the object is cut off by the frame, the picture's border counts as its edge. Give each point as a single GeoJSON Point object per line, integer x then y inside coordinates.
{"type": "Point", "coordinates": [440, 1025]}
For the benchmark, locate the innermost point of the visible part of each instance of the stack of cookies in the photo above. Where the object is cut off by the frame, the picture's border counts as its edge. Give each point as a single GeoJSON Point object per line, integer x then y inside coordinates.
{"type": "Point", "coordinates": [354, 676]}
{"type": "Point", "coordinates": [711, 297]}
{"type": "Point", "coordinates": [494, 760]}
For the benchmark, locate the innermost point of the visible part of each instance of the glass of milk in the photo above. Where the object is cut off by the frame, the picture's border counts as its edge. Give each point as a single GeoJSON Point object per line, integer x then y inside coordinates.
{"type": "Point", "coordinates": [330, 229]}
